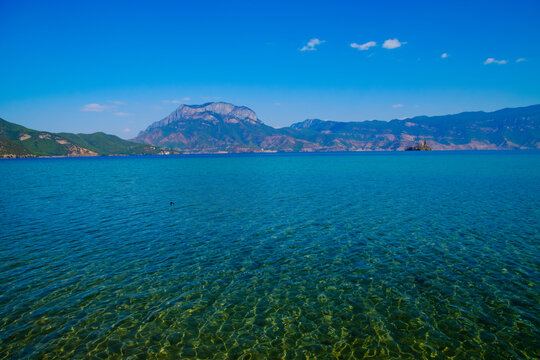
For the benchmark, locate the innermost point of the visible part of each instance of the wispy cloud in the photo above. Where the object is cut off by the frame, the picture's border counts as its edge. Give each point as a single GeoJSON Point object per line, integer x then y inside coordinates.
{"type": "Point", "coordinates": [94, 107]}
{"type": "Point", "coordinates": [365, 46]}
{"type": "Point", "coordinates": [117, 102]}
{"type": "Point", "coordinates": [494, 61]}
{"type": "Point", "coordinates": [392, 44]}
{"type": "Point", "coordinates": [126, 130]}
{"type": "Point", "coordinates": [277, 104]}
{"type": "Point", "coordinates": [444, 55]}
{"type": "Point", "coordinates": [397, 105]}
{"type": "Point", "coordinates": [521, 60]}
{"type": "Point", "coordinates": [176, 101]}
{"type": "Point", "coordinates": [311, 45]}
{"type": "Point", "coordinates": [120, 113]}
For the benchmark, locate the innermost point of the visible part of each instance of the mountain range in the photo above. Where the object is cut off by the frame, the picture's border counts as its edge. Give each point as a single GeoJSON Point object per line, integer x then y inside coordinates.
{"type": "Point", "coordinates": [222, 127]}
{"type": "Point", "coordinates": [225, 128]}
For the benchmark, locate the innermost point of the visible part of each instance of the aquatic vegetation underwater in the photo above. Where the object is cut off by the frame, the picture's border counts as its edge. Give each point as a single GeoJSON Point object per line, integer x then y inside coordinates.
{"type": "Point", "coordinates": [404, 256]}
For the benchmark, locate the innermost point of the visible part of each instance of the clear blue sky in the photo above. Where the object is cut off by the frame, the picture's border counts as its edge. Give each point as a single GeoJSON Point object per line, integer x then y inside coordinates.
{"type": "Point", "coordinates": [85, 66]}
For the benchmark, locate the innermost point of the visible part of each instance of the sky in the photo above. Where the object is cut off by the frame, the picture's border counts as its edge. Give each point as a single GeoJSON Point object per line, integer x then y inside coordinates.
{"type": "Point", "coordinates": [118, 66]}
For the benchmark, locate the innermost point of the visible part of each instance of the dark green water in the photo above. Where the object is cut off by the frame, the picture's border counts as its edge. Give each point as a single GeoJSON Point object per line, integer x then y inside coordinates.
{"type": "Point", "coordinates": [400, 255]}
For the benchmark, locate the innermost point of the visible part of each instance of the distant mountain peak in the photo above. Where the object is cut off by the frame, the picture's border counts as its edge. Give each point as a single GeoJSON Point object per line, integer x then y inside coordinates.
{"type": "Point", "coordinates": [212, 112]}
{"type": "Point", "coordinates": [223, 108]}
{"type": "Point", "coordinates": [306, 124]}
{"type": "Point", "coordinates": [212, 127]}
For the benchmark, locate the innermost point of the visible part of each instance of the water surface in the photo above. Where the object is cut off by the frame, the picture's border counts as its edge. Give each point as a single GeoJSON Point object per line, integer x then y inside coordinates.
{"type": "Point", "coordinates": [392, 255]}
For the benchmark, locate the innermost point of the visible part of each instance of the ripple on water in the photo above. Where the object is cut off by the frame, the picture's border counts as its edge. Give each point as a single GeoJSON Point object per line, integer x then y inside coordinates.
{"type": "Point", "coordinates": [309, 256]}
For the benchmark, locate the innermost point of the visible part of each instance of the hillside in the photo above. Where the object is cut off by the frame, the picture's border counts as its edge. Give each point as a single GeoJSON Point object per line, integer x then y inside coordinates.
{"type": "Point", "coordinates": [19, 141]}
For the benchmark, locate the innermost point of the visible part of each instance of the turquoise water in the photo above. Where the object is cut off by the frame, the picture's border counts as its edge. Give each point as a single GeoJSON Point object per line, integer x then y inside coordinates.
{"type": "Point", "coordinates": [379, 255]}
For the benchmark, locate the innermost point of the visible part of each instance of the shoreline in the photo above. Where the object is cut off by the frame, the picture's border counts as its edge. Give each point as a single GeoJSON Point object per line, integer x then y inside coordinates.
{"type": "Point", "coordinates": [222, 153]}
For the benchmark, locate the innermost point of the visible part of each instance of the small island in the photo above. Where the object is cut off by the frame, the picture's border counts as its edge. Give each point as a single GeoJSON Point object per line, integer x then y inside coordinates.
{"type": "Point", "coordinates": [422, 146]}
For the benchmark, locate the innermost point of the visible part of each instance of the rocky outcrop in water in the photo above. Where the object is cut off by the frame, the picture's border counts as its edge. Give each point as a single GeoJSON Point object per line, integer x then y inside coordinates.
{"type": "Point", "coordinates": [422, 146]}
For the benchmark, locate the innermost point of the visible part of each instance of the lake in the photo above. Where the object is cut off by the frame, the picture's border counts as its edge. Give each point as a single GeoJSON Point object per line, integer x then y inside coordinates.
{"type": "Point", "coordinates": [385, 255]}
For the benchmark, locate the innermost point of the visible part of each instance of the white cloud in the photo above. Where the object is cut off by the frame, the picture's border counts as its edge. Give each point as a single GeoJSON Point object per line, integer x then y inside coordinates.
{"type": "Point", "coordinates": [126, 130]}
{"type": "Point", "coordinates": [365, 46]}
{"type": "Point", "coordinates": [187, 98]}
{"type": "Point", "coordinates": [397, 105]}
{"type": "Point", "coordinates": [94, 107]}
{"type": "Point", "coordinates": [117, 102]}
{"type": "Point", "coordinates": [392, 44]}
{"type": "Point", "coordinates": [277, 104]}
{"type": "Point", "coordinates": [120, 113]}
{"type": "Point", "coordinates": [311, 45]}
{"type": "Point", "coordinates": [444, 55]}
{"type": "Point", "coordinates": [521, 60]}
{"type": "Point", "coordinates": [494, 61]}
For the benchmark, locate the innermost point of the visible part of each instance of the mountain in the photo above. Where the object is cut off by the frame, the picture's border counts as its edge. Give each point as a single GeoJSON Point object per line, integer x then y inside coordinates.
{"type": "Point", "coordinates": [516, 128]}
{"type": "Point", "coordinates": [222, 127]}
{"type": "Point", "coordinates": [217, 127]}
{"type": "Point", "coordinates": [18, 141]}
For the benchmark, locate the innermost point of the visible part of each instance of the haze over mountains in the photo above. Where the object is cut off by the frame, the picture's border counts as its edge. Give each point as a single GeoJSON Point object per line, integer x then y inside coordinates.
{"type": "Point", "coordinates": [222, 127]}
{"type": "Point", "coordinates": [225, 128]}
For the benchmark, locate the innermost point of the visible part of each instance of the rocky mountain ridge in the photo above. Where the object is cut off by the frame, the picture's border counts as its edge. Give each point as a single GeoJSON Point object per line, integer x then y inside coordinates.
{"type": "Point", "coordinates": [209, 112]}
{"type": "Point", "coordinates": [223, 127]}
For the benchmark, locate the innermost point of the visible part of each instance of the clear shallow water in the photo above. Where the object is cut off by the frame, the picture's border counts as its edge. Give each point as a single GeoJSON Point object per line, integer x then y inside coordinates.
{"type": "Point", "coordinates": [400, 255]}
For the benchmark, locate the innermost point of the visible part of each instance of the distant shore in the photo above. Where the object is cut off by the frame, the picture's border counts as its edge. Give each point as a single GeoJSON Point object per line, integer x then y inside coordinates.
{"type": "Point", "coordinates": [10, 157]}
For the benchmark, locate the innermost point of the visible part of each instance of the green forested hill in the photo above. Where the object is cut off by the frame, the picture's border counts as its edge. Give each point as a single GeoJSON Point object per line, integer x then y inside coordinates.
{"type": "Point", "coordinates": [105, 144]}
{"type": "Point", "coordinates": [19, 141]}
{"type": "Point", "coordinates": [13, 148]}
